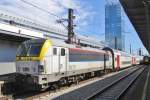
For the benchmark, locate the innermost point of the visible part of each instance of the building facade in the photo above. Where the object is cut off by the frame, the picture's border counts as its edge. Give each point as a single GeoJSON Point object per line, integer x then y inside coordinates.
{"type": "Point", "coordinates": [113, 26]}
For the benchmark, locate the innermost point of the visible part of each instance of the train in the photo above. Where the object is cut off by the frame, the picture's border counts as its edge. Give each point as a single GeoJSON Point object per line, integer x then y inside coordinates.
{"type": "Point", "coordinates": [45, 62]}
{"type": "Point", "coordinates": [146, 60]}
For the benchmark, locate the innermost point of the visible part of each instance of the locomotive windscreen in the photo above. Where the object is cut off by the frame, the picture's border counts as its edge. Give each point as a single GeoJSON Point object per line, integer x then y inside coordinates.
{"type": "Point", "coordinates": [30, 48]}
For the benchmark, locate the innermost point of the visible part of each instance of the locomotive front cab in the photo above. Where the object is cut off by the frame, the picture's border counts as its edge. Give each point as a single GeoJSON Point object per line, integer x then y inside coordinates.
{"type": "Point", "coordinates": [31, 62]}
{"type": "Point", "coordinates": [30, 55]}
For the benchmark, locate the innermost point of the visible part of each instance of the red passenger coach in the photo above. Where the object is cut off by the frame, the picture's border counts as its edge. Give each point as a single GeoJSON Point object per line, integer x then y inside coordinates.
{"type": "Point", "coordinates": [118, 62]}
{"type": "Point", "coordinates": [133, 61]}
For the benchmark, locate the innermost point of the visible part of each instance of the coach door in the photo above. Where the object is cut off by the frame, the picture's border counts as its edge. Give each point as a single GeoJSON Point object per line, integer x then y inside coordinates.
{"type": "Point", "coordinates": [55, 60]}
{"type": "Point", "coordinates": [104, 62]}
{"type": "Point", "coordinates": [118, 62]}
{"type": "Point", "coordinates": [63, 60]}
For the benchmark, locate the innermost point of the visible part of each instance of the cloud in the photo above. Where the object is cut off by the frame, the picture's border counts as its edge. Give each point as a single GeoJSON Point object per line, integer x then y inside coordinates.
{"type": "Point", "coordinates": [84, 13]}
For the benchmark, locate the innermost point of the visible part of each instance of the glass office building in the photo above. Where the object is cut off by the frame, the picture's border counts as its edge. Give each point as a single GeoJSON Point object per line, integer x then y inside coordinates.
{"type": "Point", "coordinates": [113, 26]}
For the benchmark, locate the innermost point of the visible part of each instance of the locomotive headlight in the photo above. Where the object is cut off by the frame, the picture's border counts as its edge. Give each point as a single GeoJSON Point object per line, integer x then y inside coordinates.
{"type": "Point", "coordinates": [41, 68]}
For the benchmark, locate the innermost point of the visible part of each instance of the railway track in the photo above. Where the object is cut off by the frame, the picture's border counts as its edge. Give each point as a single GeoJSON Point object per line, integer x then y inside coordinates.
{"type": "Point", "coordinates": [31, 95]}
{"type": "Point", "coordinates": [117, 88]}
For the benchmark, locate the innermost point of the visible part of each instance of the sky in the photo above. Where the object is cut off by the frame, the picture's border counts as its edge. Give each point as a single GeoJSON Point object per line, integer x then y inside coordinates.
{"type": "Point", "coordinates": [89, 21]}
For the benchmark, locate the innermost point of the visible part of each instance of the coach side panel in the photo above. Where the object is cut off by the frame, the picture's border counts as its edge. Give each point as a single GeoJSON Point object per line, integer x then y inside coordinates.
{"type": "Point", "coordinates": [85, 61]}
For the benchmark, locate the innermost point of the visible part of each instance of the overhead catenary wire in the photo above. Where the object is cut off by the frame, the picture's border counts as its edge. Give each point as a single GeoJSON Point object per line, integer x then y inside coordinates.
{"type": "Point", "coordinates": [35, 6]}
{"type": "Point", "coordinates": [41, 9]}
{"type": "Point", "coordinates": [46, 11]}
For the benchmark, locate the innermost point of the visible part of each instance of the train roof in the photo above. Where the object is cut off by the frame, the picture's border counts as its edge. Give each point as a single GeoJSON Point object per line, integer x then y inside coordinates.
{"type": "Point", "coordinates": [62, 43]}
{"type": "Point", "coordinates": [120, 52]}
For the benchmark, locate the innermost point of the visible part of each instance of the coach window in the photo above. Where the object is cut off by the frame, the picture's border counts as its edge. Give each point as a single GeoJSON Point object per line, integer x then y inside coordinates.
{"type": "Point", "coordinates": [54, 51]}
{"type": "Point", "coordinates": [62, 52]}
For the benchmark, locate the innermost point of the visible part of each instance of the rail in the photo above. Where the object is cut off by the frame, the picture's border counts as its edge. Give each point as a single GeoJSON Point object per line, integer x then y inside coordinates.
{"type": "Point", "coordinates": [117, 88]}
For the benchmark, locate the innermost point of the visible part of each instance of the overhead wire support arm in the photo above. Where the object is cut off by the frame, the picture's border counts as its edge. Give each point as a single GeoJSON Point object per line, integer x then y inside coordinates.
{"type": "Point", "coordinates": [70, 26]}
{"type": "Point", "coordinates": [62, 20]}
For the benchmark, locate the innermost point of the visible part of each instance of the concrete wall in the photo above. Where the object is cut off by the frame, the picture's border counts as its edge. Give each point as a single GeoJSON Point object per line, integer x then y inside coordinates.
{"type": "Point", "coordinates": [7, 56]}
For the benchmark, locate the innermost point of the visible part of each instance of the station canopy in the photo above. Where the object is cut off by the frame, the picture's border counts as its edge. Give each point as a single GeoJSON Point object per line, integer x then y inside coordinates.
{"type": "Point", "coordinates": [138, 12]}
